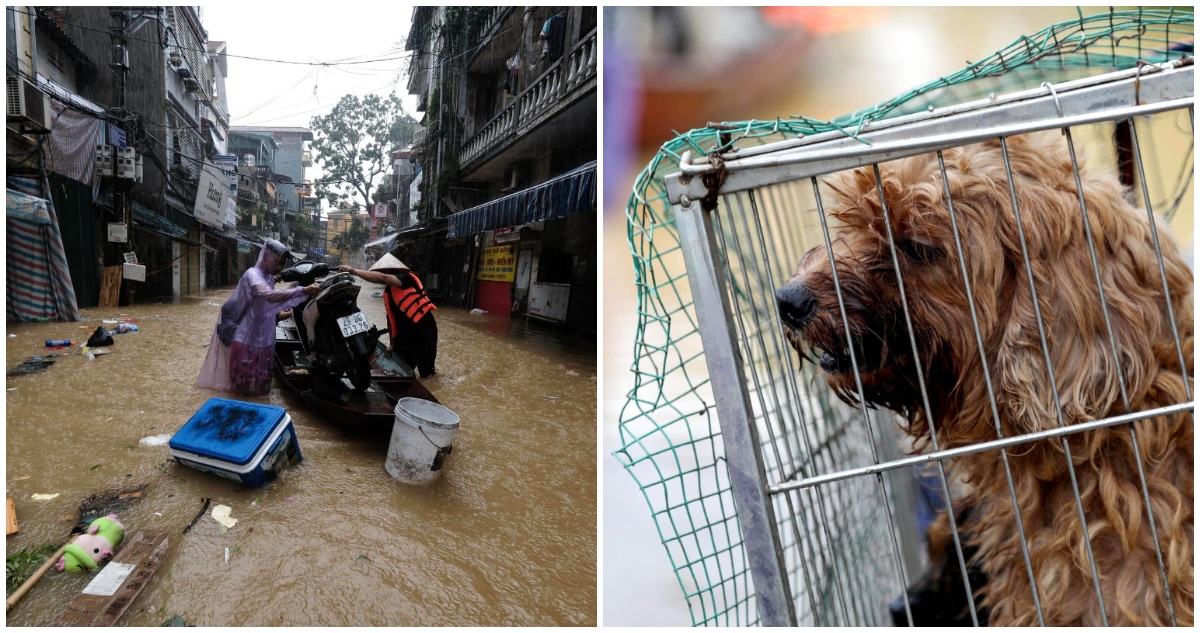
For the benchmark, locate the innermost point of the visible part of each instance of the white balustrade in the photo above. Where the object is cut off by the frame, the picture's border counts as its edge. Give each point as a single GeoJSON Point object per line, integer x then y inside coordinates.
{"type": "Point", "coordinates": [555, 86]}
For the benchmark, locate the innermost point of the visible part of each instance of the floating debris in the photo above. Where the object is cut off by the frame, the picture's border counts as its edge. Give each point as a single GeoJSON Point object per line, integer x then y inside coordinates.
{"type": "Point", "coordinates": [207, 501]}
{"type": "Point", "coordinates": [31, 366]}
{"type": "Point", "coordinates": [43, 496]}
{"type": "Point", "coordinates": [155, 440]}
{"type": "Point", "coordinates": [220, 514]}
{"type": "Point", "coordinates": [109, 501]}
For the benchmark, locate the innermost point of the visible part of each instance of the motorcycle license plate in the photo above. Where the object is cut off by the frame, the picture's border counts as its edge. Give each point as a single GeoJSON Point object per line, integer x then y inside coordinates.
{"type": "Point", "coordinates": [354, 324]}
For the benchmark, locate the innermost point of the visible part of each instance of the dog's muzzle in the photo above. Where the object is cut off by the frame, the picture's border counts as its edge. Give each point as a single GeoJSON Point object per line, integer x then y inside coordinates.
{"type": "Point", "coordinates": [797, 308]}
{"type": "Point", "coordinates": [796, 304]}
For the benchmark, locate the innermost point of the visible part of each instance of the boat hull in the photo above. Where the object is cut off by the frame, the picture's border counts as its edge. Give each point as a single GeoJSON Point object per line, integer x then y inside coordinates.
{"type": "Point", "coordinates": [368, 411]}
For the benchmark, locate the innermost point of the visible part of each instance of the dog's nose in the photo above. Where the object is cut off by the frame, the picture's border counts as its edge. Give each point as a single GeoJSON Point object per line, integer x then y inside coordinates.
{"type": "Point", "coordinates": [796, 304]}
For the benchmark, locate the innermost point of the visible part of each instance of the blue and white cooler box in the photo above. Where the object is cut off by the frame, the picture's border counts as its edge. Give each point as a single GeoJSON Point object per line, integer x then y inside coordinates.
{"type": "Point", "coordinates": [243, 441]}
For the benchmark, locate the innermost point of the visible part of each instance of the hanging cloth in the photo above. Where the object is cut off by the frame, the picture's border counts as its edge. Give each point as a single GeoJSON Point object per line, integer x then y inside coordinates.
{"type": "Point", "coordinates": [554, 32]}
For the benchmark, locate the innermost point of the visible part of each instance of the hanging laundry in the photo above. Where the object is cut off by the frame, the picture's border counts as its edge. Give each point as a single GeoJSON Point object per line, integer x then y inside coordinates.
{"type": "Point", "coordinates": [554, 33]}
{"type": "Point", "coordinates": [512, 83]}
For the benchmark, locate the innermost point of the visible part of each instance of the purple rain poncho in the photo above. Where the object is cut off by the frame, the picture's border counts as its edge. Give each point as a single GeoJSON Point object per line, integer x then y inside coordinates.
{"type": "Point", "coordinates": [245, 364]}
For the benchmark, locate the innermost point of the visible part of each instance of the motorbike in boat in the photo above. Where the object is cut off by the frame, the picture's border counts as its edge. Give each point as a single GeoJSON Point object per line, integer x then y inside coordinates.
{"type": "Point", "coordinates": [310, 369]}
{"type": "Point", "coordinates": [334, 333]}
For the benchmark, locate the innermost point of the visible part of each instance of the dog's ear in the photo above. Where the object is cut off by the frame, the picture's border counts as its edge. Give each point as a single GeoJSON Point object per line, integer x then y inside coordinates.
{"type": "Point", "coordinates": [1087, 374]}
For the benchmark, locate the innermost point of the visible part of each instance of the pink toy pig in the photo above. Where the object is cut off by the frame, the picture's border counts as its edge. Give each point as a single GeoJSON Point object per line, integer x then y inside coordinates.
{"type": "Point", "coordinates": [90, 549]}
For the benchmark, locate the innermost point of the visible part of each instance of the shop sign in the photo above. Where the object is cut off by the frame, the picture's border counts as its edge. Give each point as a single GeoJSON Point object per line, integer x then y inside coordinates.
{"type": "Point", "coordinates": [506, 235]}
{"type": "Point", "coordinates": [211, 196]}
{"type": "Point", "coordinates": [116, 136]}
{"type": "Point", "coordinates": [228, 163]}
{"type": "Point", "coordinates": [498, 263]}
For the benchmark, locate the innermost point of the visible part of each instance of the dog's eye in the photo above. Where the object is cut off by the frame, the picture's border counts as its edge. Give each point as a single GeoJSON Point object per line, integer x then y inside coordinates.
{"type": "Point", "coordinates": [919, 251]}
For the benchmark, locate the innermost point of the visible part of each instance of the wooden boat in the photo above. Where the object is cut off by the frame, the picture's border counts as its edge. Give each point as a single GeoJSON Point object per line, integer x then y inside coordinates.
{"type": "Point", "coordinates": [368, 411]}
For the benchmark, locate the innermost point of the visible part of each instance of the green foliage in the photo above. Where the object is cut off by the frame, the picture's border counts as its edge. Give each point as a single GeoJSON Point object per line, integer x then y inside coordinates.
{"type": "Point", "coordinates": [448, 175]}
{"type": "Point", "coordinates": [246, 210]}
{"type": "Point", "coordinates": [353, 145]}
{"type": "Point", "coordinates": [176, 620]}
{"type": "Point", "coordinates": [303, 229]}
{"type": "Point", "coordinates": [460, 25]}
{"type": "Point", "coordinates": [20, 566]}
{"type": "Point", "coordinates": [353, 237]}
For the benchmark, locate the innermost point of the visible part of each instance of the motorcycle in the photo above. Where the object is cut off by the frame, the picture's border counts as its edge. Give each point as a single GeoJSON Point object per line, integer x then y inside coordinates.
{"type": "Point", "coordinates": [335, 334]}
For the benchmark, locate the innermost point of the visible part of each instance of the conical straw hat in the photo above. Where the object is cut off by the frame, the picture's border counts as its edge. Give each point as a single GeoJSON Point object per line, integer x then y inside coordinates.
{"type": "Point", "coordinates": [388, 262]}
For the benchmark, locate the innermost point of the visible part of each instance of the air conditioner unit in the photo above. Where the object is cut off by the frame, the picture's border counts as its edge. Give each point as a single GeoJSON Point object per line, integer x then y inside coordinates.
{"type": "Point", "coordinates": [190, 84]}
{"type": "Point", "coordinates": [27, 106]}
{"type": "Point", "coordinates": [176, 59]}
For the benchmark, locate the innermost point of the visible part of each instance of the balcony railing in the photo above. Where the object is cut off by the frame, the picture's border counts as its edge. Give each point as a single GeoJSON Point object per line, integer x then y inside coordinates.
{"type": "Point", "coordinates": [557, 86]}
{"type": "Point", "coordinates": [497, 15]}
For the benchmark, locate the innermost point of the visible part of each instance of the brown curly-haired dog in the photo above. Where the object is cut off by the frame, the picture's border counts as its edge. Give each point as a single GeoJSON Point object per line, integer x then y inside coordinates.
{"type": "Point", "coordinates": [1085, 372]}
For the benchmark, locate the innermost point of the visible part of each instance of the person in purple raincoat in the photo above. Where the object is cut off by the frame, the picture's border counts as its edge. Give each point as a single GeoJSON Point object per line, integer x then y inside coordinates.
{"type": "Point", "coordinates": [239, 355]}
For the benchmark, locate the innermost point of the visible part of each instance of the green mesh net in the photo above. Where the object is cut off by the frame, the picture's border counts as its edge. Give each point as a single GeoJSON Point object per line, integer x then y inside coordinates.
{"type": "Point", "coordinates": [670, 435]}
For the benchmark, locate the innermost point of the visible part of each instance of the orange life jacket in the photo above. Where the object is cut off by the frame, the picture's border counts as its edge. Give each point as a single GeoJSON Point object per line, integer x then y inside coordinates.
{"type": "Point", "coordinates": [411, 302]}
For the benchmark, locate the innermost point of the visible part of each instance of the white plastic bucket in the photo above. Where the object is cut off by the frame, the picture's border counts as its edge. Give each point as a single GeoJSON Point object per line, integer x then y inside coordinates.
{"type": "Point", "coordinates": [421, 440]}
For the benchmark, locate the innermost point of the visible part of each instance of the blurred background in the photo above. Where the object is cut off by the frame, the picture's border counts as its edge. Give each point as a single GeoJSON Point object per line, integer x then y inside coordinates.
{"type": "Point", "coordinates": [672, 69]}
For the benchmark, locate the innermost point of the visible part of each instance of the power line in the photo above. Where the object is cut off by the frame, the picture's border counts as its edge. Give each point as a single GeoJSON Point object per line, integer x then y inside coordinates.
{"type": "Point", "coordinates": [205, 50]}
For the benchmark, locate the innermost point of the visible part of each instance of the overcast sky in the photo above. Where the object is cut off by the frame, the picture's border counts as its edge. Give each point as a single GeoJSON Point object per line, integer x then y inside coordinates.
{"type": "Point", "coordinates": [290, 94]}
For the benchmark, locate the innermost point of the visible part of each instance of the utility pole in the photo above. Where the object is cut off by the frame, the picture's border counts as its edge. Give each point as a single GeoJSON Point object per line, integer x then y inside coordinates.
{"type": "Point", "coordinates": [124, 23]}
{"type": "Point", "coordinates": [120, 66]}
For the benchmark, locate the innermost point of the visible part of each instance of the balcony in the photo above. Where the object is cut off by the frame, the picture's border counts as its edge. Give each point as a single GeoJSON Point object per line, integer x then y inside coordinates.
{"type": "Point", "coordinates": [573, 75]}
{"type": "Point", "coordinates": [492, 23]}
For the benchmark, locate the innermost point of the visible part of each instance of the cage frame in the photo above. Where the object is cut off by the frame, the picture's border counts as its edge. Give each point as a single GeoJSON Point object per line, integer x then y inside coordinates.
{"type": "Point", "coordinates": [693, 191]}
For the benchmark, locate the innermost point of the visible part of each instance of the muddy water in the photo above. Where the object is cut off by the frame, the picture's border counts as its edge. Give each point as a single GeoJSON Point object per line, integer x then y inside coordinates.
{"type": "Point", "coordinates": [506, 536]}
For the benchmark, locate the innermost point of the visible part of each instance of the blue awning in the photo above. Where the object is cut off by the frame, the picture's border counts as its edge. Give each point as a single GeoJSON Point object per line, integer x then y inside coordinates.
{"type": "Point", "coordinates": [571, 192]}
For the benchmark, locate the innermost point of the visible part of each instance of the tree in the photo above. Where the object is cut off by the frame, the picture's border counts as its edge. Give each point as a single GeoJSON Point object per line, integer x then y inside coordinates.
{"type": "Point", "coordinates": [303, 230]}
{"type": "Point", "coordinates": [353, 145]}
{"type": "Point", "coordinates": [353, 237]}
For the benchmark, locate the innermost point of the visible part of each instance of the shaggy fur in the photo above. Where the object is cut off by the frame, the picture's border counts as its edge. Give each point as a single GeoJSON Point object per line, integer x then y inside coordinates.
{"type": "Point", "coordinates": [1086, 375]}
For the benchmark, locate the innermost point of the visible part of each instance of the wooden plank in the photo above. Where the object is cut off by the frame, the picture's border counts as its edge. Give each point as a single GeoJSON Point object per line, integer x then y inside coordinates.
{"type": "Point", "coordinates": [103, 606]}
{"type": "Point", "coordinates": [110, 286]}
{"type": "Point", "coordinates": [10, 517]}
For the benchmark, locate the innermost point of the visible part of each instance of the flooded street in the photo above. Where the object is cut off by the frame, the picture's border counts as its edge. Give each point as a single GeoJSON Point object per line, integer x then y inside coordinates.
{"type": "Point", "coordinates": [506, 536]}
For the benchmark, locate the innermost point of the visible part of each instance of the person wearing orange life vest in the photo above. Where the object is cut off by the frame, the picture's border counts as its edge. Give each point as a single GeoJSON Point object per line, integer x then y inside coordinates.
{"type": "Point", "coordinates": [410, 319]}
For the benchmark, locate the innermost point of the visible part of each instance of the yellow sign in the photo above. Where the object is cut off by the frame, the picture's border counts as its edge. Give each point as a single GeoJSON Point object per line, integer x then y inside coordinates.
{"type": "Point", "coordinates": [498, 263]}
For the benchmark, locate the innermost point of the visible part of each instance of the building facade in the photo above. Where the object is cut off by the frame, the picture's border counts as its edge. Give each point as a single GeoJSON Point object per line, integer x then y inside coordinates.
{"type": "Point", "coordinates": [506, 220]}
{"type": "Point", "coordinates": [289, 160]}
{"type": "Point", "coordinates": [158, 88]}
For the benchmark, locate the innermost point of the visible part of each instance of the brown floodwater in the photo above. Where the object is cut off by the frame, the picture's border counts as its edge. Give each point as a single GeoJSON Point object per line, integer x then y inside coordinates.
{"type": "Point", "coordinates": [506, 535]}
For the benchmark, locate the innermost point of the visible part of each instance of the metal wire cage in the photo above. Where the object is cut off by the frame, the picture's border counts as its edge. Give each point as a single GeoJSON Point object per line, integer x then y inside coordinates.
{"type": "Point", "coordinates": [777, 503]}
